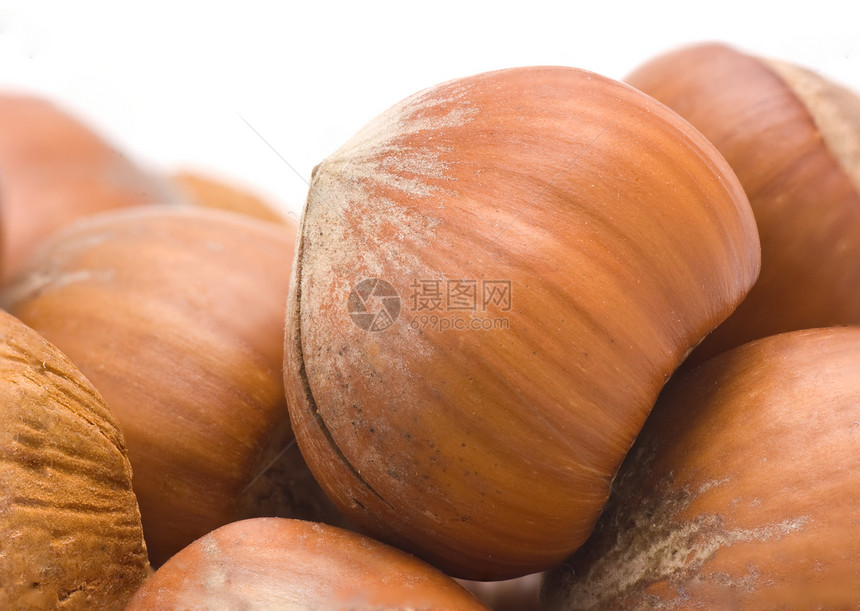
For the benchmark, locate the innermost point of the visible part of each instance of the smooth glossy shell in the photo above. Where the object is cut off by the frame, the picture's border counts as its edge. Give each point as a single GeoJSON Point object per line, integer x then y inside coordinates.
{"type": "Point", "coordinates": [742, 491]}
{"type": "Point", "coordinates": [70, 533]}
{"type": "Point", "coordinates": [793, 139]}
{"type": "Point", "coordinates": [272, 563]}
{"type": "Point", "coordinates": [177, 317]}
{"type": "Point", "coordinates": [55, 169]}
{"type": "Point", "coordinates": [550, 244]}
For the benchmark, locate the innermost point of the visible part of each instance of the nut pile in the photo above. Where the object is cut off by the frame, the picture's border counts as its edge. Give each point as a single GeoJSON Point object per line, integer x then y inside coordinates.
{"type": "Point", "coordinates": [540, 339]}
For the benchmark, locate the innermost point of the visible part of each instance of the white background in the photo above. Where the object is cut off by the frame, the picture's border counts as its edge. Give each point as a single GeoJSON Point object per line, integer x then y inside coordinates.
{"type": "Point", "coordinates": [189, 84]}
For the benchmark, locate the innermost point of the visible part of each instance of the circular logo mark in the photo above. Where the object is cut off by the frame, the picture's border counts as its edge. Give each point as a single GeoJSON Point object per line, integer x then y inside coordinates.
{"type": "Point", "coordinates": [373, 304]}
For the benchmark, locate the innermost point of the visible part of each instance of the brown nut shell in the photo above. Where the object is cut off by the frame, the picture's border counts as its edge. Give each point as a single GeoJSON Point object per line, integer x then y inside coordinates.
{"type": "Point", "coordinates": [793, 139]}
{"type": "Point", "coordinates": [177, 317]}
{"type": "Point", "coordinates": [597, 232]}
{"type": "Point", "coordinates": [741, 491]}
{"type": "Point", "coordinates": [273, 563]}
{"type": "Point", "coordinates": [70, 533]}
{"type": "Point", "coordinates": [211, 192]}
{"type": "Point", "coordinates": [55, 169]}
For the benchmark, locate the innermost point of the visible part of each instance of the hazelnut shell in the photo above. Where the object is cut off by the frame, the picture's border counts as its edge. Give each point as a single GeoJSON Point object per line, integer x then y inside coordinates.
{"type": "Point", "coordinates": [176, 315]}
{"type": "Point", "coordinates": [741, 492]}
{"type": "Point", "coordinates": [211, 192]}
{"type": "Point", "coordinates": [612, 237]}
{"type": "Point", "coordinates": [275, 563]}
{"type": "Point", "coordinates": [55, 169]}
{"type": "Point", "coordinates": [793, 139]}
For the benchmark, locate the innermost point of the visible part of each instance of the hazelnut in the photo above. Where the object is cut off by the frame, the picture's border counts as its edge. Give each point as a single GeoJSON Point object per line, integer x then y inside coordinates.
{"type": "Point", "coordinates": [55, 169]}
{"type": "Point", "coordinates": [70, 532]}
{"type": "Point", "coordinates": [600, 236]}
{"type": "Point", "coordinates": [275, 563]}
{"type": "Point", "coordinates": [741, 492]}
{"type": "Point", "coordinates": [176, 315]}
{"type": "Point", "coordinates": [211, 192]}
{"type": "Point", "coordinates": [792, 138]}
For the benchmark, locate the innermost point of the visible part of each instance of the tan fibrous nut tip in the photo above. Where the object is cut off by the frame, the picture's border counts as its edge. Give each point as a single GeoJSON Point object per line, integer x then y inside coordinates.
{"type": "Point", "coordinates": [834, 109]}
